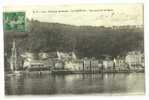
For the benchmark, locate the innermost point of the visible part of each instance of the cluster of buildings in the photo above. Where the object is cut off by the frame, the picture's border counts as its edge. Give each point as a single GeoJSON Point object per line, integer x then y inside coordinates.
{"type": "Point", "coordinates": [48, 60]}
{"type": "Point", "coordinates": [58, 61]}
{"type": "Point", "coordinates": [68, 61]}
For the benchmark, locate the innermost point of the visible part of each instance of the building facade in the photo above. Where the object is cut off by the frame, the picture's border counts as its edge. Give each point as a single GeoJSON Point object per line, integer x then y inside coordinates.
{"type": "Point", "coordinates": [134, 59]}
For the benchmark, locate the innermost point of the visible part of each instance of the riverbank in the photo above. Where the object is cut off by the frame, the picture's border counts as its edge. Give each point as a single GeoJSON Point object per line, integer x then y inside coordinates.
{"type": "Point", "coordinates": [96, 72]}
{"type": "Point", "coordinates": [74, 72]}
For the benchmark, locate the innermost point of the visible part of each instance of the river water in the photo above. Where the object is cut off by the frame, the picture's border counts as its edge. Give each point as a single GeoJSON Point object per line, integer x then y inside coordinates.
{"type": "Point", "coordinates": [48, 84]}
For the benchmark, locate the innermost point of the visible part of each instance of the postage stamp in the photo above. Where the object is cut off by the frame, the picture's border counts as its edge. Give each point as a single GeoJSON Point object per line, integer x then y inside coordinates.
{"type": "Point", "coordinates": [14, 21]}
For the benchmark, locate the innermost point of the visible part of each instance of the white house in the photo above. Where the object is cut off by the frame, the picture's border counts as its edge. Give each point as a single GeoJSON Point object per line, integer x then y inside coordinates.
{"type": "Point", "coordinates": [134, 59]}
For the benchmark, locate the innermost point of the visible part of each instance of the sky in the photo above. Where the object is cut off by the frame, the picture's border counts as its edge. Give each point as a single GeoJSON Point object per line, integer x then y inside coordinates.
{"type": "Point", "coordinates": [89, 15]}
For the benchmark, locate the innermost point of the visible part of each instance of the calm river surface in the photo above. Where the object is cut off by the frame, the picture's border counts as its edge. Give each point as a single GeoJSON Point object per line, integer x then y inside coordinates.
{"type": "Point", "coordinates": [47, 84]}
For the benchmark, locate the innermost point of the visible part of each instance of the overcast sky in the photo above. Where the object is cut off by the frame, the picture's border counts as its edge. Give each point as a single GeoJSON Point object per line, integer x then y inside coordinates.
{"type": "Point", "coordinates": [94, 15]}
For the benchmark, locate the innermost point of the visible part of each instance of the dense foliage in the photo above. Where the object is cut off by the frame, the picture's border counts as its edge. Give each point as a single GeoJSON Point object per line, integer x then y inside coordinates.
{"type": "Point", "coordinates": [85, 41]}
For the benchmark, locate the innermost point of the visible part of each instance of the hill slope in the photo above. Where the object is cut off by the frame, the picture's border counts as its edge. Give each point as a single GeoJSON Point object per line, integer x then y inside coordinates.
{"type": "Point", "coordinates": [86, 41]}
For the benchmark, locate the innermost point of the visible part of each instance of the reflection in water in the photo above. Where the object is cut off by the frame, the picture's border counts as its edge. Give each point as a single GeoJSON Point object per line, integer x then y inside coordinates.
{"type": "Point", "coordinates": [35, 83]}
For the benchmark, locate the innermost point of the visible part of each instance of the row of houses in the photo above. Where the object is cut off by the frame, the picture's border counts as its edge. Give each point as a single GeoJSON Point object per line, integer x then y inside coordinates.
{"type": "Point", "coordinates": [68, 61]}
{"type": "Point", "coordinates": [47, 60]}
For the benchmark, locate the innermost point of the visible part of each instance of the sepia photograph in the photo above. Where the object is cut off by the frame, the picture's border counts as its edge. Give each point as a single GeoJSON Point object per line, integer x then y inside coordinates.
{"type": "Point", "coordinates": [88, 49]}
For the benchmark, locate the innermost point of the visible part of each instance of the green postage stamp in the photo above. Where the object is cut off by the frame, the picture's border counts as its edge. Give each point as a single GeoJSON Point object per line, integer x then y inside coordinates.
{"type": "Point", "coordinates": [14, 21]}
